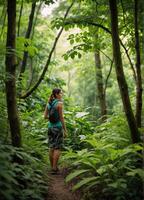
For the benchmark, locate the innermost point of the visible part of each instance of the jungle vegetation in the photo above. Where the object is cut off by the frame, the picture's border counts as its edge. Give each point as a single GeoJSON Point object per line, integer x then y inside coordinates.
{"type": "Point", "coordinates": [94, 51]}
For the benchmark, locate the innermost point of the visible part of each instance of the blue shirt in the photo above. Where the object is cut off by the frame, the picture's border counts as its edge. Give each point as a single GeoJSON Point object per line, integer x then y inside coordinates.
{"type": "Point", "coordinates": [57, 124]}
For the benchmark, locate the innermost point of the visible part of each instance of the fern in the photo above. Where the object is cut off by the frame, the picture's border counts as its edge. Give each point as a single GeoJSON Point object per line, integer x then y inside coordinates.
{"type": "Point", "coordinates": [75, 174]}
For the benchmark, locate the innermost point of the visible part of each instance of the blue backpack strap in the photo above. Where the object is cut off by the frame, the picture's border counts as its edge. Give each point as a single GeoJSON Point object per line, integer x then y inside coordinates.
{"type": "Point", "coordinates": [53, 103]}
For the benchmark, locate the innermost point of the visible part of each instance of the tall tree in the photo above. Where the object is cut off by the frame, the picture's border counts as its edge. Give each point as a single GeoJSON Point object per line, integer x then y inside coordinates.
{"type": "Point", "coordinates": [138, 67]}
{"type": "Point", "coordinates": [28, 33]}
{"type": "Point", "coordinates": [10, 74]}
{"type": "Point", "coordinates": [98, 66]}
{"type": "Point", "coordinates": [19, 20]}
{"type": "Point", "coordinates": [142, 28]}
{"type": "Point", "coordinates": [100, 88]}
{"type": "Point", "coordinates": [120, 74]}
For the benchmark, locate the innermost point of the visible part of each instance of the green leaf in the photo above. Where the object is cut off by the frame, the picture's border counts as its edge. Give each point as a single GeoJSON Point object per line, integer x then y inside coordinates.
{"type": "Point", "coordinates": [71, 41]}
{"type": "Point", "coordinates": [32, 50]}
{"type": "Point", "coordinates": [81, 114]}
{"type": "Point", "coordinates": [84, 182]}
{"type": "Point", "coordinates": [65, 57]}
{"type": "Point", "coordinates": [79, 55]}
{"type": "Point", "coordinates": [90, 165]}
{"type": "Point", "coordinates": [72, 55]}
{"type": "Point", "coordinates": [77, 39]}
{"type": "Point", "coordinates": [138, 171]}
{"type": "Point", "coordinates": [75, 174]}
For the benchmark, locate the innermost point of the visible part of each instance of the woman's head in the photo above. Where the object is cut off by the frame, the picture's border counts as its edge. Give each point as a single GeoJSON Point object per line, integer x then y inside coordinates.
{"type": "Point", "coordinates": [56, 94]}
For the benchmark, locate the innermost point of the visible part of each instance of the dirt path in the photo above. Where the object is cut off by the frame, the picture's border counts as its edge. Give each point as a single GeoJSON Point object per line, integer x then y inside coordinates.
{"type": "Point", "coordinates": [58, 190]}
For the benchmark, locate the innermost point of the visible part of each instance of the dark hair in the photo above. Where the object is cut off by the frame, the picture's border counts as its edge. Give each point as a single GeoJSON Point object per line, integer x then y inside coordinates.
{"type": "Point", "coordinates": [53, 94]}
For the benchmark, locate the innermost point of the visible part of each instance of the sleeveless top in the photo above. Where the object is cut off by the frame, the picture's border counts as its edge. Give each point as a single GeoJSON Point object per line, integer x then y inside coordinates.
{"type": "Point", "coordinates": [57, 124]}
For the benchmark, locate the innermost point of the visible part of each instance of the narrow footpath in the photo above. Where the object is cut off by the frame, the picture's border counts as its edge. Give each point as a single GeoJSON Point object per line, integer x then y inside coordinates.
{"type": "Point", "coordinates": [58, 190]}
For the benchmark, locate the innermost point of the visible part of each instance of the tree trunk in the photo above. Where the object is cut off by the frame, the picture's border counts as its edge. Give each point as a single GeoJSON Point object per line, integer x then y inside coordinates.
{"type": "Point", "coordinates": [138, 68]}
{"type": "Point", "coordinates": [120, 74]}
{"type": "Point", "coordinates": [10, 75]}
{"type": "Point", "coordinates": [142, 56]}
{"type": "Point", "coordinates": [142, 30]}
{"type": "Point", "coordinates": [28, 33]}
{"type": "Point", "coordinates": [19, 20]}
{"type": "Point", "coordinates": [100, 88]}
{"type": "Point", "coordinates": [69, 84]}
{"type": "Point", "coordinates": [31, 74]}
{"type": "Point", "coordinates": [36, 18]}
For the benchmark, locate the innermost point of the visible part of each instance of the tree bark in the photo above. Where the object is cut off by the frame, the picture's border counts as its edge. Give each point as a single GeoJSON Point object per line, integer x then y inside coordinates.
{"type": "Point", "coordinates": [19, 20]}
{"type": "Point", "coordinates": [120, 73]}
{"type": "Point", "coordinates": [69, 83]}
{"type": "Point", "coordinates": [36, 18]}
{"type": "Point", "coordinates": [142, 30]}
{"type": "Point", "coordinates": [10, 75]}
{"type": "Point", "coordinates": [100, 88]}
{"type": "Point", "coordinates": [28, 33]}
{"type": "Point", "coordinates": [138, 67]}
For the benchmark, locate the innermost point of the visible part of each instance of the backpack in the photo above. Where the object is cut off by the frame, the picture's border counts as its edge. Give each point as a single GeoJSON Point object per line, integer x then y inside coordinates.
{"type": "Point", "coordinates": [53, 113]}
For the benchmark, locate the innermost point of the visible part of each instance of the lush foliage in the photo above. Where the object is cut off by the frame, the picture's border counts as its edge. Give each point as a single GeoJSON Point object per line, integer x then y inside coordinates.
{"type": "Point", "coordinates": [100, 157]}
{"type": "Point", "coordinates": [25, 181]}
{"type": "Point", "coordinates": [108, 166]}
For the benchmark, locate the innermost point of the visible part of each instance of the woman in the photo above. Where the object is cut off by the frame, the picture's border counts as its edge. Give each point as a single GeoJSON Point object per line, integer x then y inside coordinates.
{"type": "Point", "coordinates": [56, 127]}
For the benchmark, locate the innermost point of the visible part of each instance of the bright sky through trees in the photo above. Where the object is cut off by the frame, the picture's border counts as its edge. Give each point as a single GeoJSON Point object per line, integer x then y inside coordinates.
{"type": "Point", "coordinates": [47, 9]}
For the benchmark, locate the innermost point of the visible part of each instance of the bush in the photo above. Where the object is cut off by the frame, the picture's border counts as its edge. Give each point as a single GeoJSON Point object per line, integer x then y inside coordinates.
{"type": "Point", "coordinates": [20, 181]}
{"type": "Point", "coordinates": [109, 167]}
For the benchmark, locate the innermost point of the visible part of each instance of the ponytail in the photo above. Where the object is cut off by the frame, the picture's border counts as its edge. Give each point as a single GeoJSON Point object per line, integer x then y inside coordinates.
{"type": "Point", "coordinates": [53, 95]}
{"type": "Point", "coordinates": [51, 98]}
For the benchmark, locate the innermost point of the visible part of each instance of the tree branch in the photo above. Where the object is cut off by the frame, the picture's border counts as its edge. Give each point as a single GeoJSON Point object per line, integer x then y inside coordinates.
{"type": "Point", "coordinates": [49, 57]}
{"type": "Point", "coordinates": [106, 81]}
{"type": "Point", "coordinates": [87, 23]}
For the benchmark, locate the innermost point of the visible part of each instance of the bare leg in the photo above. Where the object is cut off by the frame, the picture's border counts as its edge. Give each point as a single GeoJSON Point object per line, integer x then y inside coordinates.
{"type": "Point", "coordinates": [51, 154]}
{"type": "Point", "coordinates": [56, 155]}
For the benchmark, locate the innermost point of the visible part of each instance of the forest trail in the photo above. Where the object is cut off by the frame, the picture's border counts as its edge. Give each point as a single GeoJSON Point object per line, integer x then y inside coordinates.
{"type": "Point", "coordinates": [58, 190]}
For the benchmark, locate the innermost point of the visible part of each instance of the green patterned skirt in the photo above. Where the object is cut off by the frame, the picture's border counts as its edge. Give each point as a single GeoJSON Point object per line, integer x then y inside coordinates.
{"type": "Point", "coordinates": [55, 137]}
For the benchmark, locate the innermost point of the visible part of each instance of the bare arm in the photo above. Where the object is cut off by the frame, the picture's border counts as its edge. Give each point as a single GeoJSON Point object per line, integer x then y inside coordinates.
{"type": "Point", "coordinates": [46, 113]}
{"type": "Point", "coordinates": [60, 111]}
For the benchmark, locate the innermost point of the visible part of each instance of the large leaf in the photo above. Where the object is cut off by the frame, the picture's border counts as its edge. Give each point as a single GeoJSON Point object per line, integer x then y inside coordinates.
{"type": "Point", "coordinates": [75, 174]}
{"type": "Point", "coordinates": [138, 171]}
{"type": "Point", "coordinates": [81, 114]}
{"type": "Point", "coordinates": [84, 182]}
